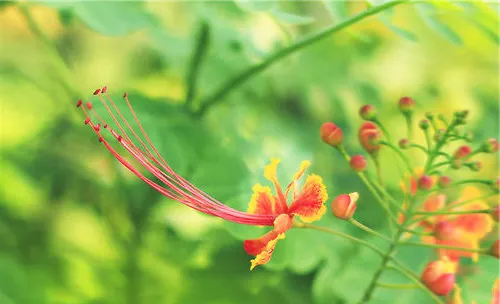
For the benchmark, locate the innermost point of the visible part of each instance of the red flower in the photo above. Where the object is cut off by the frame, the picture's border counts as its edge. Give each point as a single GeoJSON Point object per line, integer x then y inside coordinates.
{"type": "Point", "coordinates": [308, 205]}
{"type": "Point", "coordinates": [439, 276]}
{"type": "Point", "coordinates": [147, 157]}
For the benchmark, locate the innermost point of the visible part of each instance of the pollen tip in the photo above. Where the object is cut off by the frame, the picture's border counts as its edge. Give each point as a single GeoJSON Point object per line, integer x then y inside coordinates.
{"type": "Point", "coordinates": [79, 103]}
{"type": "Point", "coordinates": [87, 121]}
{"type": "Point", "coordinates": [119, 138]}
{"type": "Point", "coordinates": [104, 89]}
{"type": "Point", "coordinates": [101, 139]}
{"type": "Point", "coordinates": [97, 127]}
{"type": "Point", "coordinates": [96, 92]}
{"type": "Point", "coordinates": [89, 105]}
{"type": "Point", "coordinates": [125, 95]}
{"type": "Point", "coordinates": [105, 126]}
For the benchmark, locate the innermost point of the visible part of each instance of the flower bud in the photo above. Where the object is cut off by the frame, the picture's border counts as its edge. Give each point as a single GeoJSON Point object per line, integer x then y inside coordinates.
{"type": "Point", "coordinates": [495, 249]}
{"type": "Point", "coordinates": [475, 166]}
{"type": "Point", "coordinates": [438, 136]}
{"type": "Point", "coordinates": [331, 134]}
{"type": "Point", "coordinates": [444, 230]}
{"type": "Point", "coordinates": [424, 124]}
{"type": "Point", "coordinates": [456, 163]}
{"type": "Point", "coordinates": [462, 152]}
{"type": "Point", "coordinates": [429, 116]}
{"type": "Point", "coordinates": [368, 112]}
{"type": "Point", "coordinates": [439, 276]}
{"type": "Point", "coordinates": [495, 213]}
{"type": "Point", "coordinates": [444, 181]}
{"type": "Point", "coordinates": [461, 116]}
{"type": "Point", "coordinates": [344, 205]}
{"type": "Point", "coordinates": [490, 146]}
{"type": "Point", "coordinates": [496, 183]}
{"type": "Point", "coordinates": [406, 105]}
{"type": "Point", "coordinates": [369, 135]}
{"type": "Point", "coordinates": [404, 143]}
{"type": "Point", "coordinates": [425, 182]}
{"type": "Point", "coordinates": [358, 163]}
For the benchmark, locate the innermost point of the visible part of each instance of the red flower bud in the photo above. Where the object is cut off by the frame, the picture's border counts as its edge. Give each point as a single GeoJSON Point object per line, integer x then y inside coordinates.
{"type": "Point", "coordinates": [406, 105]}
{"type": "Point", "coordinates": [404, 143]}
{"type": "Point", "coordinates": [358, 163]}
{"type": "Point", "coordinates": [490, 146]}
{"type": "Point", "coordinates": [495, 212]}
{"type": "Point", "coordinates": [444, 230]}
{"type": "Point", "coordinates": [369, 135]}
{"type": "Point", "coordinates": [439, 276]}
{"type": "Point", "coordinates": [476, 166]}
{"type": "Point", "coordinates": [368, 112]}
{"type": "Point", "coordinates": [495, 249]}
{"type": "Point", "coordinates": [331, 134]}
{"type": "Point", "coordinates": [444, 181]}
{"type": "Point", "coordinates": [462, 152]}
{"type": "Point", "coordinates": [344, 205]}
{"type": "Point", "coordinates": [424, 124]}
{"type": "Point", "coordinates": [425, 182]}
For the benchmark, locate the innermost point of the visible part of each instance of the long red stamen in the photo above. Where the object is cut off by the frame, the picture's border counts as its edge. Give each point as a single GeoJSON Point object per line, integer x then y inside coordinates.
{"type": "Point", "coordinates": [148, 157]}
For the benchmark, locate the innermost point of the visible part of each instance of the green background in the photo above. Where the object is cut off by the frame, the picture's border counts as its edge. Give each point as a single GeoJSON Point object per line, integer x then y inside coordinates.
{"type": "Point", "coordinates": [75, 227]}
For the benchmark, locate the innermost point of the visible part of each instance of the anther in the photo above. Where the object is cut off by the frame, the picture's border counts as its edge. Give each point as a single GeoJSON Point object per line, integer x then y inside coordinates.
{"type": "Point", "coordinates": [125, 95]}
{"type": "Point", "coordinates": [79, 103]}
{"type": "Point", "coordinates": [97, 91]}
{"type": "Point", "coordinates": [101, 139]}
{"type": "Point", "coordinates": [105, 126]}
{"type": "Point", "coordinates": [87, 121]}
{"type": "Point", "coordinates": [89, 105]}
{"type": "Point", "coordinates": [119, 138]}
{"type": "Point", "coordinates": [104, 89]}
{"type": "Point", "coordinates": [97, 127]}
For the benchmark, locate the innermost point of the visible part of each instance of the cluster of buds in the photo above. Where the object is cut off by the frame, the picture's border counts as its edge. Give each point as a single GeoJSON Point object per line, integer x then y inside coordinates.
{"type": "Point", "coordinates": [448, 225]}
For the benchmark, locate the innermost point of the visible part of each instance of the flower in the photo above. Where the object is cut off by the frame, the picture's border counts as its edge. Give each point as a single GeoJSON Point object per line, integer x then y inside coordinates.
{"type": "Point", "coordinates": [406, 105]}
{"type": "Point", "coordinates": [147, 158]}
{"type": "Point", "coordinates": [439, 276]}
{"type": "Point", "coordinates": [462, 230]}
{"type": "Point", "coordinates": [368, 112]}
{"type": "Point", "coordinates": [307, 204]}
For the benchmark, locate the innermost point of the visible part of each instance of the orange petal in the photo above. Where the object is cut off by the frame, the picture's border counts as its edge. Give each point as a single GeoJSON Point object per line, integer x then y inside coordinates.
{"type": "Point", "coordinates": [262, 201]}
{"type": "Point", "coordinates": [282, 223]}
{"type": "Point", "coordinates": [435, 203]}
{"type": "Point", "coordinates": [460, 241]}
{"type": "Point", "coordinates": [303, 167]}
{"type": "Point", "coordinates": [256, 246]}
{"type": "Point", "coordinates": [309, 204]}
{"type": "Point", "coordinates": [270, 170]}
{"type": "Point", "coordinates": [477, 225]}
{"type": "Point", "coordinates": [265, 256]}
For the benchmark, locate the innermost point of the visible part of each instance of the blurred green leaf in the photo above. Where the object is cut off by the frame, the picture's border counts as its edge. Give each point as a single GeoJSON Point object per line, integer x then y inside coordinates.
{"type": "Point", "coordinates": [428, 13]}
{"type": "Point", "coordinates": [291, 18]}
{"type": "Point", "coordinates": [256, 5]}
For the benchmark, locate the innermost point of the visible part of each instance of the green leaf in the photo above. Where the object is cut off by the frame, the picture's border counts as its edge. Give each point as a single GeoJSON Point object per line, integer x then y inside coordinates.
{"type": "Point", "coordinates": [428, 15]}
{"type": "Point", "coordinates": [338, 9]}
{"type": "Point", "coordinates": [291, 18]}
{"type": "Point", "coordinates": [385, 17]}
{"type": "Point", "coordinates": [110, 18]}
{"type": "Point", "coordinates": [255, 5]}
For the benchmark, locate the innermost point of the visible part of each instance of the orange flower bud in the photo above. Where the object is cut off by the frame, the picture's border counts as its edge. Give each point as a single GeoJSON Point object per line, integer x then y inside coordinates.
{"type": "Point", "coordinates": [444, 181]}
{"type": "Point", "coordinates": [439, 276]}
{"type": "Point", "coordinates": [404, 143]}
{"type": "Point", "coordinates": [490, 146]}
{"type": "Point", "coordinates": [495, 249]}
{"type": "Point", "coordinates": [358, 163]}
{"type": "Point", "coordinates": [425, 182]}
{"type": "Point", "coordinates": [369, 135]}
{"type": "Point", "coordinates": [331, 134]}
{"type": "Point", "coordinates": [406, 105]}
{"type": "Point", "coordinates": [444, 230]}
{"type": "Point", "coordinates": [368, 112]}
{"type": "Point", "coordinates": [344, 205]}
{"type": "Point", "coordinates": [462, 152]}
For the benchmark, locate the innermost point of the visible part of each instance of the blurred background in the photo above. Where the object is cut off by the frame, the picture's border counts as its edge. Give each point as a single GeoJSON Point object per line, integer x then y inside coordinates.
{"type": "Point", "coordinates": [76, 227]}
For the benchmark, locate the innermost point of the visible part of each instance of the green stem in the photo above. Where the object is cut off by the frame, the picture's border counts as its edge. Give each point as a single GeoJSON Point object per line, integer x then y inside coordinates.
{"type": "Point", "coordinates": [416, 244]}
{"type": "Point", "coordinates": [369, 185]}
{"type": "Point", "coordinates": [409, 126]}
{"type": "Point", "coordinates": [219, 94]}
{"type": "Point", "coordinates": [428, 139]}
{"type": "Point", "coordinates": [341, 234]}
{"type": "Point", "coordinates": [400, 154]}
{"type": "Point", "coordinates": [419, 147]}
{"type": "Point", "coordinates": [436, 151]}
{"type": "Point", "coordinates": [368, 229]}
{"type": "Point", "coordinates": [452, 212]}
{"type": "Point", "coordinates": [397, 286]}
{"type": "Point", "coordinates": [382, 127]}
{"type": "Point", "coordinates": [202, 41]}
